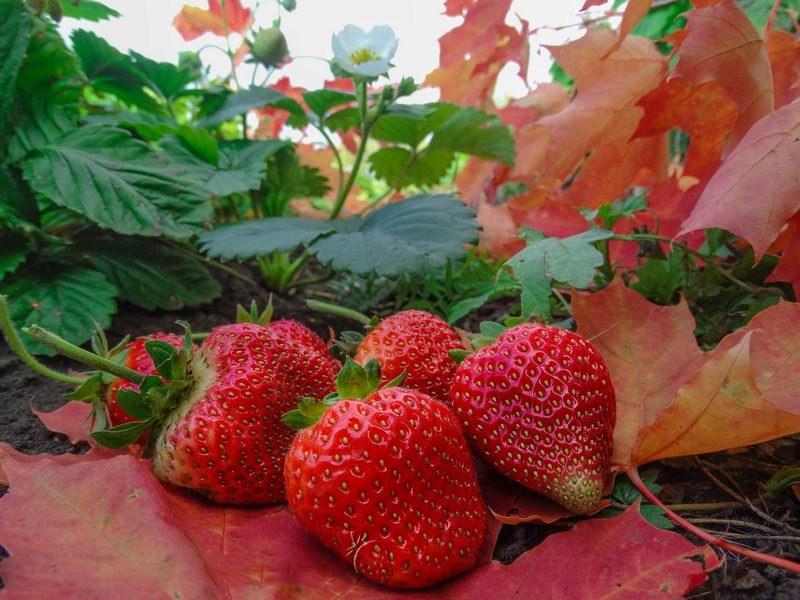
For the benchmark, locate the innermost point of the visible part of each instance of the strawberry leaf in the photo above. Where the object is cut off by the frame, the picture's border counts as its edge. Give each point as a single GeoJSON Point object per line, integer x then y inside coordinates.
{"type": "Point", "coordinates": [162, 354]}
{"type": "Point", "coordinates": [239, 103]}
{"type": "Point", "coordinates": [88, 390]}
{"type": "Point", "coordinates": [308, 412]}
{"type": "Point", "coordinates": [15, 23]}
{"type": "Point", "coordinates": [132, 403]}
{"type": "Point", "coordinates": [121, 435]}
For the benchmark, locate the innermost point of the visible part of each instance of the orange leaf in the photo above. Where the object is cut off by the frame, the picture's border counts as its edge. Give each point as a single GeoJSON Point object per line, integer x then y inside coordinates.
{"type": "Point", "coordinates": [704, 111]}
{"type": "Point", "coordinates": [192, 22]}
{"type": "Point", "coordinates": [99, 527]}
{"type": "Point", "coordinates": [675, 400]}
{"type": "Point", "coordinates": [608, 87]}
{"type": "Point", "coordinates": [74, 420]}
{"type": "Point", "coordinates": [756, 190]}
{"type": "Point", "coordinates": [635, 11]}
{"type": "Point", "coordinates": [722, 45]}
{"type": "Point", "coordinates": [788, 268]}
{"type": "Point", "coordinates": [648, 348]}
{"type": "Point", "coordinates": [784, 57]}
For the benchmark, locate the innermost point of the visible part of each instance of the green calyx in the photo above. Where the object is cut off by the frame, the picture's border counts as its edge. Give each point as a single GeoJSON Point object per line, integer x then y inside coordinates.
{"type": "Point", "coordinates": [354, 382]}
{"type": "Point", "coordinates": [254, 315]}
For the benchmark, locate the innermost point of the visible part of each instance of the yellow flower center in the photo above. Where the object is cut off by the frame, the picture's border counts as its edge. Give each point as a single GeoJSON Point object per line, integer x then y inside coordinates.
{"type": "Point", "coordinates": [359, 57]}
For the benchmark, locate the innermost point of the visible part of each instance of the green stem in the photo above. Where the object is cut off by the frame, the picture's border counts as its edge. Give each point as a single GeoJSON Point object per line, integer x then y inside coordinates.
{"type": "Point", "coordinates": [311, 281]}
{"type": "Point", "coordinates": [336, 154]}
{"type": "Point", "coordinates": [704, 506]}
{"type": "Point", "coordinates": [294, 269]}
{"type": "Point", "coordinates": [334, 309]}
{"type": "Point", "coordinates": [648, 237]}
{"type": "Point", "coordinates": [362, 146]}
{"type": "Point", "coordinates": [18, 347]}
{"type": "Point", "coordinates": [90, 359]}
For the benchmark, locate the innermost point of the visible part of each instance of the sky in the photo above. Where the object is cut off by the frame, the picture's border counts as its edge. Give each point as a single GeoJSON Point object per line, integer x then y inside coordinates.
{"type": "Point", "coordinates": [146, 26]}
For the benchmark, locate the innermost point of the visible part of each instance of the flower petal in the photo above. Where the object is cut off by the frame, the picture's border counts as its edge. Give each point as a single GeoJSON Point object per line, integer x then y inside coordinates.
{"type": "Point", "coordinates": [383, 41]}
{"type": "Point", "coordinates": [371, 68]}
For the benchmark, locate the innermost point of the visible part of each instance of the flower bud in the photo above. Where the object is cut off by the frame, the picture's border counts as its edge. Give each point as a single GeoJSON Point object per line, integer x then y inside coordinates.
{"type": "Point", "coordinates": [269, 47]}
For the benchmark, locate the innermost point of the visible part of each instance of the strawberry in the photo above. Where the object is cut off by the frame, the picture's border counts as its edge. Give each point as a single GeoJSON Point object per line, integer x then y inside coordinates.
{"type": "Point", "coordinates": [299, 332]}
{"type": "Point", "coordinates": [225, 438]}
{"type": "Point", "coordinates": [538, 404]}
{"type": "Point", "coordinates": [388, 484]}
{"type": "Point", "coordinates": [418, 343]}
{"type": "Point", "coordinates": [136, 358]}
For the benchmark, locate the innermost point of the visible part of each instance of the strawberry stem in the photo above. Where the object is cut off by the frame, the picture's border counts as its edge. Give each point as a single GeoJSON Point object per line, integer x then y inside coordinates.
{"type": "Point", "coordinates": [335, 309]}
{"type": "Point", "coordinates": [783, 563]}
{"type": "Point", "coordinates": [95, 361]}
{"type": "Point", "coordinates": [18, 347]}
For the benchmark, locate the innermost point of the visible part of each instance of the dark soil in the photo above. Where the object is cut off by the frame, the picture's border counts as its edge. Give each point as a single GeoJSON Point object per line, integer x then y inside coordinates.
{"type": "Point", "coordinates": [684, 481]}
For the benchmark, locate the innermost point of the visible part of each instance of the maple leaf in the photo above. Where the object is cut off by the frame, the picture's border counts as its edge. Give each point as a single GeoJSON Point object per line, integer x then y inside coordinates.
{"type": "Point", "coordinates": [784, 58]}
{"type": "Point", "coordinates": [760, 167]}
{"type": "Point", "coordinates": [720, 44]}
{"type": "Point", "coordinates": [673, 399]}
{"type": "Point", "coordinates": [788, 268]}
{"type": "Point", "coordinates": [609, 84]}
{"type": "Point", "coordinates": [704, 111]}
{"type": "Point", "coordinates": [73, 420]}
{"type": "Point", "coordinates": [102, 526]}
{"type": "Point", "coordinates": [272, 120]}
{"type": "Point", "coordinates": [192, 22]}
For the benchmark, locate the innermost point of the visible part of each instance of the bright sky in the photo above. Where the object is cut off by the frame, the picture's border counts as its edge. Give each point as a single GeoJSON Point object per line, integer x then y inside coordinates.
{"type": "Point", "coordinates": [146, 26]}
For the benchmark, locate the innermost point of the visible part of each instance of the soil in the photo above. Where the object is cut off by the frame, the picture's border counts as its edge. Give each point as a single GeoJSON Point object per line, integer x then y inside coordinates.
{"type": "Point", "coordinates": [773, 526]}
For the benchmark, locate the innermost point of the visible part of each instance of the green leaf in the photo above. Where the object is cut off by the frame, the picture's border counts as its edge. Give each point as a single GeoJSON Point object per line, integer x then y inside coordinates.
{"type": "Point", "coordinates": [410, 127]}
{"type": "Point", "coordinates": [165, 78]}
{"type": "Point", "coordinates": [261, 237]}
{"type": "Point", "coordinates": [162, 355]}
{"type": "Point", "coordinates": [133, 404]}
{"type": "Point", "coordinates": [625, 208]}
{"type": "Point", "coordinates": [152, 275]}
{"type": "Point", "coordinates": [344, 119]}
{"type": "Point", "coordinates": [15, 25]}
{"type": "Point", "coordinates": [411, 236]}
{"type": "Point", "coordinates": [321, 101]}
{"type": "Point", "coordinates": [241, 164]}
{"type": "Point", "coordinates": [400, 168]}
{"type": "Point", "coordinates": [477, 133]}
{"type": "Point", "coordinates": [119, 183]}
{"type": "Point", "coordinates": [200, 142]}
{"type": "Point", "coordinates": [89, 390]}
{"type": "Point", "coordinates": [88, 10]}
{"type": "Point", "coordinates": [664, 19]}
{"type": "Point", "coordinates": [414, 235]}
{"type": "Point", "coordinates": [356, 381]}
{"type": "Point", "coordinates": [18, 208]}
{"type": "Point", "coordinates": [111, 71]}
{"type": "Point", "coordinates": [783, 479]}
{"type": "Point", "coordinates": [659, 279]}
{"type": "Point", "coordinates": [571, 260]}
{"type": "Point", "coordinates": [121, 435]}
{"type": "Point", "coordinates": [239, 103]}
{"type": "Point", "coordinates": [287, 178]}
{"type": "Point", "coordinates": [38, 124]}
{"type": "Point", "coordinates": [65, 300]}
{"type": "Point", "coordinates": [13, 250]}
{"type": "Point", "coordinates": [308, 412]}
{"type": "Point", "coordinates": [50, 72]}
{"type": "Point", "coordinates": [149, 126]}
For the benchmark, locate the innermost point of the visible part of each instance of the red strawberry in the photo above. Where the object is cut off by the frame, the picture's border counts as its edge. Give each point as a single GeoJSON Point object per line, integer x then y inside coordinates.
{"type": "Point", "coordinates": [538, 404]}
{"type": "Point", "coordinates": [138, 359]}
{"type": "Point", "coordinates": [299, 332]}
{"type": "Point", "coordinates": [225, 439]}
{"type": "Point", "coordinates": [418, 343]}
{"type": "Point", "coordinates": [388, 484]}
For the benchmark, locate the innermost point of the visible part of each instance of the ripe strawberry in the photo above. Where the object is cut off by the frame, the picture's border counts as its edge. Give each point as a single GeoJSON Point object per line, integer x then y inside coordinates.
{"type": "Point", "coordinates": [225, 438]}
{"type": "Point", "coordinates": [138, 359]}
{"type": "Point", "coordinates": [538, 404]}
{"type": "Point", "coordinates": [418, 343]}
{"type": "Point", "coordinates": [299, 332]}
{"type": "Point", "coordinates": [388, 484]}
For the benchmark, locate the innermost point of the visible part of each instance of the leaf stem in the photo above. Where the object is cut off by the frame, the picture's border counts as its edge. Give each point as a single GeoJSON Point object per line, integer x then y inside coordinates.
{"type": "Point", "coordinates": [90, 359]}
{"type": "Point", "coordinates": [366, 125]}
{"type": "Point", "coordinates": [783, 563]}
{"type": "Point", "coordinates": [335, 309]}
{"type": "Point", "coordinates": [18, 347]}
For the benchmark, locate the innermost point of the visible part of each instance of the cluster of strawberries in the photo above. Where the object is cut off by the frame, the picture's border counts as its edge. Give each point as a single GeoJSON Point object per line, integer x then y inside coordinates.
{"type": "Point", "coordinates": [381, 471]}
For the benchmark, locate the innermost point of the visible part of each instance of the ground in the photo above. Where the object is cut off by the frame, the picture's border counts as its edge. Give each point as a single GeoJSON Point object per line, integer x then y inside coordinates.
{"type": "Point", "coordinates": [769, 525]}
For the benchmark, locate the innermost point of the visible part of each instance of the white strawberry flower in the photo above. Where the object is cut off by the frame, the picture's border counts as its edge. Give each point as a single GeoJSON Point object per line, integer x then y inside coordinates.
{"type": "Point", "coordinates": [362, 53]}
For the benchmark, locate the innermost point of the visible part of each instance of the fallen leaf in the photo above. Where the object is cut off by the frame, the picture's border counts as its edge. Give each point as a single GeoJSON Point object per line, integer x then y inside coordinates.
{"type": "Point", "coordinates": [675, 400]}
{"type": "Point", "coordinates": [722, 45]}
{"type": "Point", "coordinates": [788, 268]}
{"type": "Point", "coordinates": [74, 420]}
{"type": "Point", "coordinates": [192, 22]}
{"type": "Point", "coordinates": [649, 349]}
{"type": "Point", "coordinates": [105, 527]}
{"type": "Point", "coordinates": [756, 190]}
